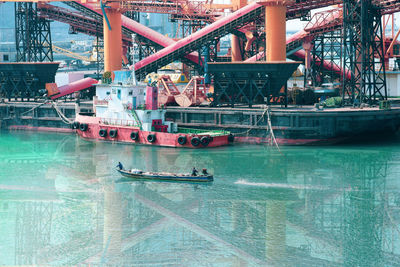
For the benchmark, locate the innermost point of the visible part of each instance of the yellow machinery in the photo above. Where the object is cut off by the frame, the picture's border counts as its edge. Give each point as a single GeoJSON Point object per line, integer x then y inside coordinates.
{"type": "Point", "coordinates": [68, 53]}
{"type": "Point", "coordinates": [174, 72]}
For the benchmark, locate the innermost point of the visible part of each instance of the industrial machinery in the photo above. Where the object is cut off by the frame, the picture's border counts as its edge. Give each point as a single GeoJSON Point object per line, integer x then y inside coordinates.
{"type": "Point", "coordinates": [203, 23]}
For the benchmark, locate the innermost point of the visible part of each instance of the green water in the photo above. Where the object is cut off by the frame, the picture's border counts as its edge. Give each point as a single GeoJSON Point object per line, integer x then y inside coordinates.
{"type": "Point", "coordinates": [62, 203]}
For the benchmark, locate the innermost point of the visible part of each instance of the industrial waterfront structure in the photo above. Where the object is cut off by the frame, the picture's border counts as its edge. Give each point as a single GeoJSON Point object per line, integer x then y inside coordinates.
{"type": "Point", "coordinates": [33, 38]}
{"type": "Point", "coordinates": [346, 45]}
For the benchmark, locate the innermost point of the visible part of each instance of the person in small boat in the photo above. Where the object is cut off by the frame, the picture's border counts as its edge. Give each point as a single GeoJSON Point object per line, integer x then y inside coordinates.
{"type": "Point", "coordinates": [194, 171]}
{"type": "Point", "coordinates": [204, 171]}
{"type": "Point", "coordinates": [119, 166]}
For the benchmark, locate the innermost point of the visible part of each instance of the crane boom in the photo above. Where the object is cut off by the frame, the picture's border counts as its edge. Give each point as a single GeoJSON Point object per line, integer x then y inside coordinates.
{"type": "Point", "coordinates": [68, 53]}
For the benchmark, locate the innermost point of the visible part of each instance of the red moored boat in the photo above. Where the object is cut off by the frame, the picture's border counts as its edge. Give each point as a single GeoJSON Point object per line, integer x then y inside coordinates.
{"type": "Point", "coordinates": [129, 113]}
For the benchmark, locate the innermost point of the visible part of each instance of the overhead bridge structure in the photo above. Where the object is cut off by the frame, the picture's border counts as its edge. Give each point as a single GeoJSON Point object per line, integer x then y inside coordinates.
{"type": "Point", "coordinates": [237, 20]}
{"type": "Point", "coordinates": [193, 42]}
{"type": "Point", "coordinates": [145, 35]}
{"type": "Point", "coordinates": [161, 50]}
{"type": "Point", "coordinates": [164, 49]}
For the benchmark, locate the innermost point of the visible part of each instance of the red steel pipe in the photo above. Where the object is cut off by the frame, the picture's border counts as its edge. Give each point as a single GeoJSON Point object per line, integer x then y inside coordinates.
{"type": "Point", "coordinates": [74, 87]}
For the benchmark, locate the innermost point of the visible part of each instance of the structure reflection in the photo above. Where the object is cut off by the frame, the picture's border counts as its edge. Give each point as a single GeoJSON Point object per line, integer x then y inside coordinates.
{"type": "Point", "coordinates": [331, 209]}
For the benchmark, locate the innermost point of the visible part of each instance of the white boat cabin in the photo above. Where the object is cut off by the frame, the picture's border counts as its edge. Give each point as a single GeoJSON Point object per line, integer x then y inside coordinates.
{"type": "Point", "coordinates": [125, 102]}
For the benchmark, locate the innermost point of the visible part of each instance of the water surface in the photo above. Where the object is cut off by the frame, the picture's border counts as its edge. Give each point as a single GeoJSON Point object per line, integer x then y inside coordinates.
{"type": "Point", "coordinates": [63, 203]}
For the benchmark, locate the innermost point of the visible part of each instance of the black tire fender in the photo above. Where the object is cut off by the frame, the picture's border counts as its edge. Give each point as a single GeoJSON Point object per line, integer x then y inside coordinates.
{"type": "Point", "coordinates": [83, 127]}
{"type": "Point", "coordinates": [113, 133]}
{"type": "Point", "coordinates": [103, 132]}
{"type": "Point", "coordinates": [205, 140]}
{"type": "Point", "coordinates": [151, 138]}
{"type": "Point", "coordinates": [182, 140]}
{"type": "Point", "coordinates": [134, 136]}
{"type": "Point", "coordinates": [75, 125]}
{"type": "Point", "coordinates": [231, 138]}
{"type": "Point", "coordinates": [195, 141]}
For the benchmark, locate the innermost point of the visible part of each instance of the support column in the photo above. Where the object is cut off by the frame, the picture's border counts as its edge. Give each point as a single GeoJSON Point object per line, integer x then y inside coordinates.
{"type": "Point", "coordinates": [275, 33]}
{"type": "Point", "coordinates": [307, 46]}
{"type": "Point", "coordinates": [275, 30]}
{"type": "Point", "coordinates": [112, 38]}
{"type": "Point", "coordinates": [236, 54]}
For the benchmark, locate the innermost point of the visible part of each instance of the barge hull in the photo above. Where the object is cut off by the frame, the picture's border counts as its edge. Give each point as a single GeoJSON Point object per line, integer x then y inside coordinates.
{"type": "Point", "coordinates": [94, 126]}
{"type": "Point", "coordinates": [292, 126]}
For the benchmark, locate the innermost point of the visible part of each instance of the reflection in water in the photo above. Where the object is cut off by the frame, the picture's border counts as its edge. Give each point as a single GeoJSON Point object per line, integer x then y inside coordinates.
{"type": "Point", "coordinates": [61, 203]}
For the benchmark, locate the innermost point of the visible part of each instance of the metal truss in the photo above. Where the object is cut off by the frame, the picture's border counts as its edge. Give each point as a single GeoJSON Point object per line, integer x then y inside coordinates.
{"type": "Point", "coordinates": [146, 46]}
{"type": "Point", "coordinates": [188, 27]}
{"type": "Point", "coordinates": [181, 9]}
{"type": "Point", "coordinates": [32, 34]}
{"type": "Point", "coordinates": [230, 89]}
{"type": "Point", "coordinates": [145, 49]}
{"type": "Point", "coordinates": [19, 86]}
{"type": "Point", "coordinates": [363, 53]}
{"type": "Point", "coordinates": [208, 53]}
{"type": "Point", "coordinates": [132, 15]}
{"type": "Point", "coordinates": [326, 55]}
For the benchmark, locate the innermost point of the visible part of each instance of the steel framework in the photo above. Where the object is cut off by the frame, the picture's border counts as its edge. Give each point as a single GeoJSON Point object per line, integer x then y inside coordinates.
{"type": "Point", "coordinates": [92, 24]}
{"type": "Point", "coordinates": [250, 83]}
{"type": "Point", "coordinates": [32, 34]}
{"type": "Point", "coordinates": [363, 53]}
{"type": "Point", "coordinates": [23, 81]}
{"type": "Point", "coordinates": [327, 47]}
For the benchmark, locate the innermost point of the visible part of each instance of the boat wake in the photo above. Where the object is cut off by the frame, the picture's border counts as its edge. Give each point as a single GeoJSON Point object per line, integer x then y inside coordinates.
{"type": "Point", "coordinates": [280, 185]}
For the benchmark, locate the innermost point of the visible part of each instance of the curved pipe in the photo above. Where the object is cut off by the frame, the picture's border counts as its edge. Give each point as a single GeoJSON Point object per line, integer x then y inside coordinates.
{"type": "Point", "coordinates": [74, 87]}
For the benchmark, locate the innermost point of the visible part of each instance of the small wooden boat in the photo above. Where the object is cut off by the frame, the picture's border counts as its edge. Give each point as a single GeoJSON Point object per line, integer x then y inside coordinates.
{"type": "Point", "coordinates": [165, 176]}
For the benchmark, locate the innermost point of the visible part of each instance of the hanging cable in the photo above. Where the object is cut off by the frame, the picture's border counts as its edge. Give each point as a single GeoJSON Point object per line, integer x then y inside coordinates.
{"type": "Point", "coordinates": [60, 114]}
{"type": "Point", "coordinates": [32, 109]}
{"type": "Point", "coordinates": [271, 131]}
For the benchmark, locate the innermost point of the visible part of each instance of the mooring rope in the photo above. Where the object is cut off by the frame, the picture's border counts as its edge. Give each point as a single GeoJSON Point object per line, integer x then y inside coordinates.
{"type": "Point", "coordinates": [60, 114]}
{"type": "Point", "coordinates": [249, 130]}
{"type": "Point", "coordinates": [271, 131]}
{"type": "Point", "coordinates": [32, 109]}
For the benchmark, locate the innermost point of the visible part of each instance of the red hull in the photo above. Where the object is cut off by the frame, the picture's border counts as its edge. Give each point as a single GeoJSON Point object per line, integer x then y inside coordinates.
{"type": "Point", "coordinates": [161, 138]}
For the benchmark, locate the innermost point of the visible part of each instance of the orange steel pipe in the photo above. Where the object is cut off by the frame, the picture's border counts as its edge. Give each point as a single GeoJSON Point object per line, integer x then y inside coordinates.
{"type": "Point", "coordinates": [112, 40]}
{"type": "Point", "coordinates": [307, 46]}
{"type": "Point", "coordinates": [236, 55]}
{"type": "Point", "coordinates": [393, 42]}
{"type": "Point", "coordinates": [275, 30]}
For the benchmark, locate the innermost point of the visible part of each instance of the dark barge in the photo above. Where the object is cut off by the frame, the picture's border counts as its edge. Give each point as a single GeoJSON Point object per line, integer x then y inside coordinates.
{"type": "Point", "coordinates": [291, 126]}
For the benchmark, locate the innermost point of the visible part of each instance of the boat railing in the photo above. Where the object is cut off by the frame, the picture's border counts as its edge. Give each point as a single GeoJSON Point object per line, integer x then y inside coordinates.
{"type": "Point", "coordinates": [201, 131]}
{"type": "Point", "coordinates": [120, 122]}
